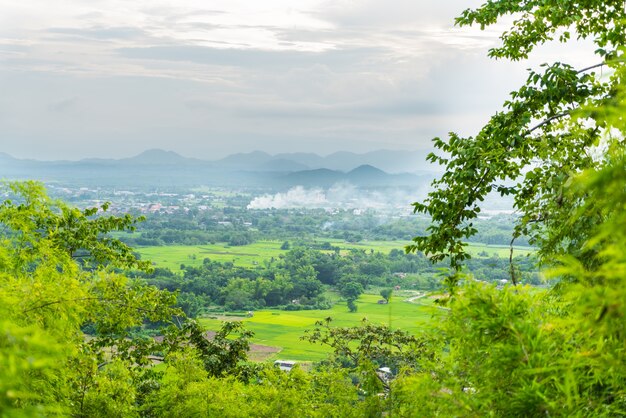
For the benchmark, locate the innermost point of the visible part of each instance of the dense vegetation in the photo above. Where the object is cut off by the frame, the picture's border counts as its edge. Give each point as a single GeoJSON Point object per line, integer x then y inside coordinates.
{"type": "Point", "coordinates": [236, 225]}
{"type": "Point", "coordinates": [512, 351]}
{"type": "Point", "coordinates": [298, 278]}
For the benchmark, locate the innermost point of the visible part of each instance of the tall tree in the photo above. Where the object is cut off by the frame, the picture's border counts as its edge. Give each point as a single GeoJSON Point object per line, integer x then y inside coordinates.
{"type": "Point", "coordinates": [518, 351]}
{"type": "Point", "coordinates": [56, 275]}
{"type": "Point", "coordinates": [549, 130]}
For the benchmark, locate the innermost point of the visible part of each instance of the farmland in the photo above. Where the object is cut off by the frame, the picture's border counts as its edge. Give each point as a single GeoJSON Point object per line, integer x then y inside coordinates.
{"type": "Point", "coordinates": [172, 256]}
{"type": "Point", "coordinates": [283, 329]}
{"type": "Point", "coordinates": [278, 331]}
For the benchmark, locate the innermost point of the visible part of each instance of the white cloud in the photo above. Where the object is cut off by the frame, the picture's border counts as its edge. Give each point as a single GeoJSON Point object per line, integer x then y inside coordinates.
{"type": "Point", "coordinates": [222, 76]}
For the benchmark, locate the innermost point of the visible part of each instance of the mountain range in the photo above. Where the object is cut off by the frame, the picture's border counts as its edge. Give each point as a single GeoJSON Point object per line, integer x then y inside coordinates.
{"type": "Point", "coordinates": [255, 169]}
{"type": "Point", "coordinates": [386, 160]}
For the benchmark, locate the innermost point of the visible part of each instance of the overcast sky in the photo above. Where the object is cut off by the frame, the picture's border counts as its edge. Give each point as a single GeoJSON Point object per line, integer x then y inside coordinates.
{"type": "Point", "coordinates": [111, 78]}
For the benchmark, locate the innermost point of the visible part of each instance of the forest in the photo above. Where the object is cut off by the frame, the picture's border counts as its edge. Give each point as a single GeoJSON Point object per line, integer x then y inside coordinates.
{"type": "Point", "coordinates": [237, 226]}
{"type": "Point", "coordinates": [73, 294]}
{"type": "Point", "coordinates": [303, 275]}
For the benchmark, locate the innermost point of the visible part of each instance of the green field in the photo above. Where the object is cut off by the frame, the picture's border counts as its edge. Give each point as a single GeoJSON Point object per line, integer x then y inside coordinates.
{"type": "Point", "coordinates": [474, 249]}
{"type": "Point", "coordinates": [172, 256]}
{"type": "Point", "coordinates": [502, 251]}
{"type": "Point", "coordinates": [283, 329]}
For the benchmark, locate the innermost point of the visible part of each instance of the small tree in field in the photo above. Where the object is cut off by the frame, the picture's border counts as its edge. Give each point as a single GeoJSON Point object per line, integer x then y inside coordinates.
{"type": "Point", "coordinates": [352, 306]}
{"type": "Point", "coordinates": [351, 291]}
{"type": "Point", "coordinates": [386, 294]}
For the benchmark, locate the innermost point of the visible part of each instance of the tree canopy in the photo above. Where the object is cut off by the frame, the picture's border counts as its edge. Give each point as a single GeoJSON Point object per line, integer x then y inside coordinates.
{"type": "Point", "coordinates": [551, 129]}
{"type": "Point", "coordinates": [558, 148]}
{"type": "Point", "coordinates": [513, 351]}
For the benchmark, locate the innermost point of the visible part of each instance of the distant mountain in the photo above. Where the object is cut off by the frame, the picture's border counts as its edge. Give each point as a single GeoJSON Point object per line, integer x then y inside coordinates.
{"type": "Point", "coordinates": [159, 156]}
{"type": "Point", "coordinates": [362, 176]}
{"type": "Point", "coordinates": [366, 170]}
{"type": "Point", "coordinates": [5, 157]}
{"type": "Point", "coordinates": [281, 165]}
{"type": "Point", "coordinates": [159, 168]}
{"type": "Point", "coordinates": [321, 177]}
{"type": "Point", "coordinates": [244, 161]}
{"type": "Point", "coordinates": [389, 161]}
{"type": "Point", "coordinates": [305, 158]}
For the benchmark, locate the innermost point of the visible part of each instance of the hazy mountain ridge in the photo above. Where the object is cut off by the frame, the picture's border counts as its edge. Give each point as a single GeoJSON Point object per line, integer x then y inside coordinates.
{"type": "Point", "coordinates": [255, 169]}
{"type": "Point", "coordinates": [387, 160]}
{"type": "Point", "coordinates": [159, 156]}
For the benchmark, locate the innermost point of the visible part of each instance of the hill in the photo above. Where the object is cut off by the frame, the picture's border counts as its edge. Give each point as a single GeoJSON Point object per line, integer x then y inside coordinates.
{"type": "Point", "coordinates": [159, 168]}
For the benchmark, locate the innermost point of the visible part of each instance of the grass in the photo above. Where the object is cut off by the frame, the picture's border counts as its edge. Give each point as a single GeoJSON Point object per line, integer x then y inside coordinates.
{"type": "Point", "coordinates": [502, 251]}
{"type": "Point", "coordinates": [474, 249]}
{"type": "Point", "coordinates": [172, 256]}
{"type": "Point", "coordinates": [284, 328]}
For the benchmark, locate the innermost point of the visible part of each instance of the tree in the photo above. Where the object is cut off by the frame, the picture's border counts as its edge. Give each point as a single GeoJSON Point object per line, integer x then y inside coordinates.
{"type": "Point", "coordinates": [351, 291]}
{"type": "Point", "coordinates": [368, 346]}
{"type": "Point", "coordinates": [352, 306]}
{"type": "Point", "coordinates": [222, 353]}
{"type": "Point", "coordinates": [57, 274]}
{"type": "Point", "coordinates": [386, 294]}
{"type": "Point", "coordinates": [517, 351]}
{"type": "Point", "coordinates": [551, 129]}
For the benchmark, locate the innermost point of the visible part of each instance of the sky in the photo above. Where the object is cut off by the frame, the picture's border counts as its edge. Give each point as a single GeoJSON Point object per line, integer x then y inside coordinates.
{"type": "Point", "coordinates": [112, 78]}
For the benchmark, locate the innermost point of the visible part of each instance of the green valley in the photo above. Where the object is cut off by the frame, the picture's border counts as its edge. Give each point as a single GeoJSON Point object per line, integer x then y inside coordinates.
{"type": "Point", "coordinates": [284, 329]}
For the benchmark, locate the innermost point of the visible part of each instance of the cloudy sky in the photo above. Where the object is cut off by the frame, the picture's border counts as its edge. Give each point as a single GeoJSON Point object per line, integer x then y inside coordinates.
{"type": "Point", "coordinates": [111, 78]}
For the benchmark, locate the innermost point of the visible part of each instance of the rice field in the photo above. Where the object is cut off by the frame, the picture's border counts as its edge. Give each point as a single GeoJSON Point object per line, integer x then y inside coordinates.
{"type": "Point", "coordinates": [283, 329]}
{"type": "Point", "coordinates": [253, 255]}
{"type": "Point", "coordinates": [172, 256]}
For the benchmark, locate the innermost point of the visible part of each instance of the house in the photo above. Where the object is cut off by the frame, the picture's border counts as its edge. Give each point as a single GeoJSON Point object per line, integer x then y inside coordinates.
{"type": "Point", "coordinates": [285, 365]}
{"type": "Point", "coordinates": [385, 375]}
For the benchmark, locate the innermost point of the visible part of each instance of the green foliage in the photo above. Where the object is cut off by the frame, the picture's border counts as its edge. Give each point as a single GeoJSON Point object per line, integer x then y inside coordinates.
{"type": "Point", "coordinates": [221, 354]}
{"type": "Point", "coordinates": [113, 393]}
{"type": "Point", "coordinates": [540, 21]}
{"type": "Point", "coordinates": [518, 351]}
{"type": "Point", "coordinates": [544, 137]}
{"type": "Point", "coordinates": [386, 294]}
{"type": "Point", "coordinates": [31, 365]}
{"type": "Point", "coordinates": [369, 346]}
{"type": "Point", "coordinates": [56, 275]}
{"type": "Point", "coordinates": [351, 290]}
{"type": "Point", "coordinates": [188, 391]}
{"type": "Point", "coordinates": [36, 220]}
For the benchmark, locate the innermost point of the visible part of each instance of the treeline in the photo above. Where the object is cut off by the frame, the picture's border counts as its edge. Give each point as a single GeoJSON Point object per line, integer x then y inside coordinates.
{"type": "Point", "coordinates": [239, 226]}
{"type": "Point", "coordinates": [299, 278]}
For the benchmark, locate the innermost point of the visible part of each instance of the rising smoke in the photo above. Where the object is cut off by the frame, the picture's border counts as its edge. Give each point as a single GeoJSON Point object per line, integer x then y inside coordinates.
{"type": "Point", "coordinates": [339, 196]}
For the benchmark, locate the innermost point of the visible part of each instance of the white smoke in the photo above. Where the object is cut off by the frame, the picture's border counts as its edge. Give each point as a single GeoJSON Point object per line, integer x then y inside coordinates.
{"type": "Point", "coordinates": [339, 196]}
{"type": "Point", "coordinates": [298, 197]}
